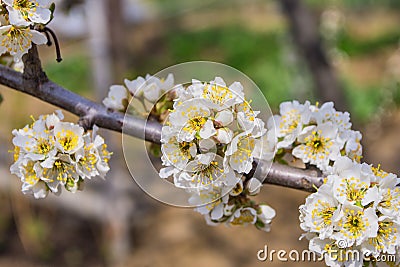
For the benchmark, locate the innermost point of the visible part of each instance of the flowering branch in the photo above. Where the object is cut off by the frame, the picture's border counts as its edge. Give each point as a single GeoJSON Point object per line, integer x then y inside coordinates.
{"type": "Point", "coordinates": [35, 83]}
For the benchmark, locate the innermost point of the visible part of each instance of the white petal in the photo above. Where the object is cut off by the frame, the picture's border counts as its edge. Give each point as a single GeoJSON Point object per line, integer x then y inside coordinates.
{"type": "Point", "coordinates": [224, 117]}
{"type": "Point", "coordinates": [224, 135]}
{"type": "Point", "coordinates": [217, 212]}
{"type": "Point", "coordinates": [41, 15]}
{"type": "Point", "coordinates": [38, 37]}
{"type": "Point", "coordinates": [207, 130]}
{"type": "Point", "coordinates": [372, 195]}
{"type": "Point", "coordinates": [40, 190]}
{"type": "Point", "coordinates": [254, 186]}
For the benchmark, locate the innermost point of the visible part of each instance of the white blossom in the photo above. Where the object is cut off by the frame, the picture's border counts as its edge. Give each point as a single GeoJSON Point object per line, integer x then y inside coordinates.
{"type": "Point", "coordinates": [192, 120]}
{"type": "Point", "coordinates": [50, 154]}
{"type": "Point", "coordinates": [150, 87]}
{"type": "Point", "coordinates": [355, 210]}
{"type": "Point", "coordinates": [293, 116]}
{"type": "Point", "coordinates": [315, 135]}
{"type": "Point", "coordinates": [209, 142]}
{"type": "Point", "coordinates": [117, 98]}
{"type": "Point", "coordinates": [318, 145]}
{"type": "Point", "coordinates": [26, 12]}
{"type": "Point", "coordinates": [240, 153]}
{"type": "Point", "coordinates": [265, 215]}
{"type": "Point", "coordinates": [18, 40]}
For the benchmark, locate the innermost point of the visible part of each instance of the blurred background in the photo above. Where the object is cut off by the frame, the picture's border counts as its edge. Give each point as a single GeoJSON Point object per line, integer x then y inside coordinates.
{"type": "Point", "coordinates": [343, 50]}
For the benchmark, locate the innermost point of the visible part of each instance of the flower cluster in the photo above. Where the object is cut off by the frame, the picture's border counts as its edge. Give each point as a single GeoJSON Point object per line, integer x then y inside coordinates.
{"type": "Point", "coordinates": [209, 142]}
{"type": "Point", "coordinates": [148, 89]}
{"type": "Point", "coordinates": [50, 154]}
{"type": "Point", "coordinates": [315, 135]}
{"type": "Point", "coordinates": [22, 17]}
{"type": "Point", "coordinates": [356, 209]}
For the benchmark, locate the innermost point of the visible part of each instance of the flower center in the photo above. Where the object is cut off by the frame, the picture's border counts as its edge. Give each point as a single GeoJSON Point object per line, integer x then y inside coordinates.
{"type": "Point", "coordinates": [69, 141]}
{"type": "Point", "coordinates": [354, 223]}
{"type": "Point", "coordinates": [354, 193]}
{"type": "Point", "coordinates": [184, 148]}
{"type": "Point", "coordinates": [89, 160]}
{"type": "Point", "coordinates": [290, 121]}
{"type": "Point", "coordinates": [43, 146]}
{"type": "Point", "coordinates": [206, 174]}
{"type": "Point", "coordinates": [30, 175]}
{"type": "Point", "coordinates": [16, 38]}
{"type": "Point", "coordinates": [217, 94]}
{"type": "Point", "coordinates": [245, 217]}
{"type": "Point", "coordinates": [317, 143]}
{"type": "Point", "coordinates": [24, 4]}
{"type": "Point", "coordinates": [196, 123]}
{"type": "Point", "coordinates": [325, 213]}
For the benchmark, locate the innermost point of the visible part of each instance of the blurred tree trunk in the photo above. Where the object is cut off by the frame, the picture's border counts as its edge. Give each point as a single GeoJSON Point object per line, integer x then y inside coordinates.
{"type": "Point", "coordinates": [105, 38]}
{"type": "Point", "coordinates": [98, 43]}
{"type": "Point", "coordinates": [117, 34]}
{"type": "Point", "coordinates": [305, 33]}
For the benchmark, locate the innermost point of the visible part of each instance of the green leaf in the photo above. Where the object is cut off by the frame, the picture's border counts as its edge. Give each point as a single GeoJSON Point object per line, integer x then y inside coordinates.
{"type": "Point", "coordinates": [155, 150]}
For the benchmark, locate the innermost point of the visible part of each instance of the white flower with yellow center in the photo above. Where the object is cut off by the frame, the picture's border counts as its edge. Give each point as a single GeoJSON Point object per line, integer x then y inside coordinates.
{"type": "Point", "coordinates": [357, 225]}
{"type": "Point", "coordinates": [86, 161]}
{"type": "Point", "coordinates": [204, 171]}
{"type": "Point", "coordinates": [210, 202]}
{"type": "Point", "coordinates": [60, 172]}
{"type": "Point", "coordinates": [18, 40]}
{"type": "Point", "coordinates": [327, 113]}
{"type": "Point", "coordinates": [386, 241]}
{"type": "Point", "coordinates": [351, 184]}
{"type": "Point", "coordinates": [36, 142]}
{"type": "Point", "coordinates": [68, 137]}
{"type": "Point", "coordinates": [50, 154]}
{"type": "Point", "coordinates": [26, 12]}
{"type": "Point", "coordinates": [389, 202]}
{"type": "Point", "coordinates": [92, 159]}
{"type": "Point", "coordinates": [29, 172]}
{"type": "Point", "coordinates": [248, 121]}
{"type": "Point", "coordinates": [209, 141]}
{"type": "Point", "coordinates": [100, 148]}
{"type": "Point", "coordinates": [320, 212]}
{"type": "Point", "coordinates": [216, 94]}
{"type": "Point", "coordinates": [240, 153]}
{"type": "Point", "coordinates": [293, 116]}
{"type": "Point", "coordinates": [243, 216]}
{"type": "Point", "coordinates": [192, 120]}
{"type": "Point", "coordinates": [117, 98]}
{"type": "Point", "coordinates": [318, 145]}
{"type": "Point", "coordinates": [177, 154]}
{"type": "Point", "coordinates": [366, 216]}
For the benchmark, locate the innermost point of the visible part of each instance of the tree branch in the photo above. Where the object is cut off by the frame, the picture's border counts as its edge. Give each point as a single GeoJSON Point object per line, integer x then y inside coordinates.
{"type": "Point", "coordinates": [35, 83]}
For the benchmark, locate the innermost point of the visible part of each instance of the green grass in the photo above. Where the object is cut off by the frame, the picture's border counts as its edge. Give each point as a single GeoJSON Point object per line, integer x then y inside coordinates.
{"type": "Point", "coordinates": [258, 55]}
{"type": "Point", "coordinates": [72, 73]}
{"type": "Point", "coordinates": [355, 47]}
{"type": "Point", "coordinates": [364, 102]}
